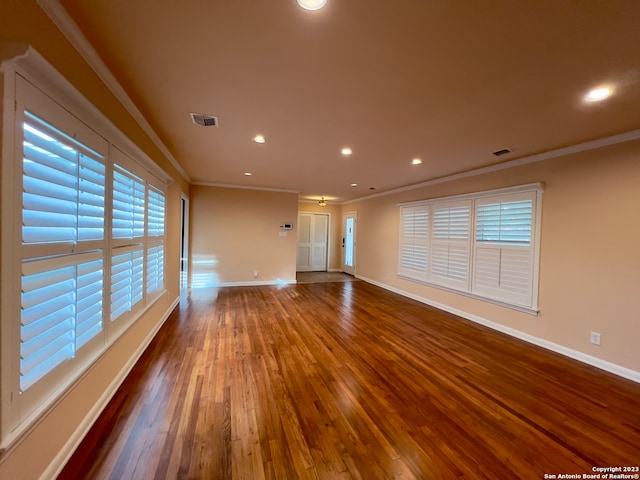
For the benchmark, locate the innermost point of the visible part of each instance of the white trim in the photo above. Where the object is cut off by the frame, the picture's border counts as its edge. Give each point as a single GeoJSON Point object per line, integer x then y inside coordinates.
{"type": "Point", "coordinates": [10, 291]}
{"type": "Point", "coordinates": [524, 309]}
{"type": "Point", "coordinates": [539, 157]}
{"type": "Point", "coordinates": [184, 239]}
{"type": "Point", "coordinates": [70, 29]}
{"type": "Point", "coordinates": [37, 71]}
{"type": "Point", "coordinates": [540, 342]}
{"type": "Point", "coordinates": [244, 187]}
{"type": "Point", "coordinates": [65, 453]}
{"type": "Point", "coordinates": [538, 186]}
{"type": "Point", "coordinates": [258, 283]}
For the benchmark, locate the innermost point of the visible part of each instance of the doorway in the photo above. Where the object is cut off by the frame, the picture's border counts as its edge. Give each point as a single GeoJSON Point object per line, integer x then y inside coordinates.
{"type": "Point", "coordinates": [349, 222]}
{"type": "Point", "coordinates": [313, 235]}
{"type": "Point", "coordinates": [184, 242]}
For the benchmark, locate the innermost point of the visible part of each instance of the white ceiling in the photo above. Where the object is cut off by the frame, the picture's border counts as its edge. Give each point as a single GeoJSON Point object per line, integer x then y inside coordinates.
{"type": "Point", "coordinates": [448, 81]}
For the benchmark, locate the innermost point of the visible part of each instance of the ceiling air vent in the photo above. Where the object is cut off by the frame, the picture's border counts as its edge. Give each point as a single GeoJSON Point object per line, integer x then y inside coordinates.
{"type": "Point", "coordinates": [504, 151]}
{"type": "Point", "coordinates": [204, 120]}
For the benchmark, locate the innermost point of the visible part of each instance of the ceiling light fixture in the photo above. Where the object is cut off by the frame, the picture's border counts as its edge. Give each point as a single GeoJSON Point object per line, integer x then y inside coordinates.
{"type": "Point", "coordinates": [312, 4]}
{"type": "Point", "coordinates": [247, 174]}
{"type": "Point", "coordinates": [322, 202]}
{"type": "Point", "coordinates": [346, 151]}
{"type": "Point", "coordinates": [259, 139]}
{"type": "Point", "coordinates": [598, 94]}
{"type": "Point", "coordinates": [354, 184]}
{"type": "Point", "coordinates": [416, 161]}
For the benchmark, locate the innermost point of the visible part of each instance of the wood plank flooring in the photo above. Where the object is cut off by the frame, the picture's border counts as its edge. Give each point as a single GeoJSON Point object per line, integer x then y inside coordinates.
{"type": "Point", "coordinates": [348, 381]}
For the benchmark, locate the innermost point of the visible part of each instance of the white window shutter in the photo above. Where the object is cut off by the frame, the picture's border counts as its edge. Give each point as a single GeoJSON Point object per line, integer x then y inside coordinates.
{"type": "Point", "coordinates": [504, 253]}
{"type": "Point", "coordinates": [414, 241]}
{"type": "Point", "coordinates": [47, 323]}
{"type": "Point", "coordinates": [155, 268]}
{"type": "Point", "coordinates": [126, 281]}
{"type": "Point", "coordinates": [62, 253]}
{"type": "Point", "coordinates": [89, 301]}
{"type": "Point", "coordinates": [63, 187]}
{"type": "Point", "coordinates": [128, 205]}
{"type": "Point", "coordinates": [450, 244]}
{"type": "Point", "coordinates": [61, 312]}
{"type": "Point", "coordinates": [507, 222]}
{"type": "Point", "coordinates": [156, 213]}
{"type": "Point", "coordinates": [155, 238]}
{"type": "Point", "coordinates": [91, 191]}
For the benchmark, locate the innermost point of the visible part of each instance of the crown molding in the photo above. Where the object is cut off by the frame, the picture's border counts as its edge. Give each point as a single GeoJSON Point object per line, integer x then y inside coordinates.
{"type": "Point", "coordinates": [539, 157]}
{"type": "Point", "coordinates": [245, 187]}
{"type": "Point", "coordinates": [61, 19]}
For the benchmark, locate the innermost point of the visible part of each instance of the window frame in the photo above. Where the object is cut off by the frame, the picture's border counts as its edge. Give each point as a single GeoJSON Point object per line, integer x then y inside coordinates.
{"type": "Point", "coordinates": [525, 303]}
{"type": "Point", "coordinates": [53, 93]}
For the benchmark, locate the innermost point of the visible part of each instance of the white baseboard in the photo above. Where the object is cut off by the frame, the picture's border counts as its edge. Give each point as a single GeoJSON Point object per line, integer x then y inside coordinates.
{"type": "Point", "coordinates": [252, 283]}
{"type": "Point", "coordinates": [255, 283]}
{"type": "Point", "coordinates": [554, 347]}
{"type": "Point", "coordinates": [63, 456]}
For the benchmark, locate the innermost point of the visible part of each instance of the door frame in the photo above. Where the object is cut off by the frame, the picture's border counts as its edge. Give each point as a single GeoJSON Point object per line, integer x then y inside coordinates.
{"type": "Point", "coordinates": [350, 269]}
{"type": "Point", "coordinates": [327, 249]}
{"type": "Point", "coordinates": [184, 241]}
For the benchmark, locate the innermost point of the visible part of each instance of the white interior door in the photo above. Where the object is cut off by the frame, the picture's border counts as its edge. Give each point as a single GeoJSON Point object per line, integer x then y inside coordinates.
{"type": "Point", "coordinates": [303, 257]}
{"type": "Point", "coordinates": [312, 242]}
{"type": "Point", "coordinates": [349, 222]}
{"type": "Point", "coordinates": [319, 227]}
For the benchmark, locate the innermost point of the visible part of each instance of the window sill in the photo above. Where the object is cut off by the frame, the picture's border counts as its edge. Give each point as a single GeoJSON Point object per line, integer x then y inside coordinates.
{"type": "Point", "coordinates": [520, 308]}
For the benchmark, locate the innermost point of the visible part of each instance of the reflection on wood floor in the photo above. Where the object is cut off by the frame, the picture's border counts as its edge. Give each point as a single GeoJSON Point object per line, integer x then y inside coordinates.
{"type": "Point", "coordinates": [346, 380]}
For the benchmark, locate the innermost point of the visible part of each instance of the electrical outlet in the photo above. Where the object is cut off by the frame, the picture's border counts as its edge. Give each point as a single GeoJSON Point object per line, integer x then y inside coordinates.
{"type": "Point", "coordinates": [595, 338]}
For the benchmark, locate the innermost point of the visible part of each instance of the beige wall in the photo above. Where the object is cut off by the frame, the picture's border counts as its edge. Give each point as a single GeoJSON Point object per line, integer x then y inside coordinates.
{"type": "Point", "coordinates": [24, 21]}
{"type": "Point", "coordinates": [335, 230]}
{"type": "Point", "coordinates": [235, 232]}
{"type": "Point", "coordinates": [590, 250]}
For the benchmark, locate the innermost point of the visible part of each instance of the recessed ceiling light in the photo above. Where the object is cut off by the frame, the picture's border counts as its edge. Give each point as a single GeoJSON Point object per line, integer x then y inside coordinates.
{"type": "Point", "coordinates": [598, 94]}
{"type": "Point", "coordinates": [354, 184]}
{"type": "Point", "coordinates": [416, 161]}
{"type": "Point", "coordinates": [346, 151]}
{"type": "Point", "coordinates": [259, 139]}
{"type": "Point", "coordinates": [312, 4]}
{"type": "Point", "coordinates": [247, 174]}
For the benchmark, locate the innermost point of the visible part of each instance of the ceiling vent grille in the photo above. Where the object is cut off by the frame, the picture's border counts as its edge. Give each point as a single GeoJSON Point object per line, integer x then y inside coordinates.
{"type": "Point", "coordinates": [504, 151]}
{"type": "Point", "coordinates": [204, 120]}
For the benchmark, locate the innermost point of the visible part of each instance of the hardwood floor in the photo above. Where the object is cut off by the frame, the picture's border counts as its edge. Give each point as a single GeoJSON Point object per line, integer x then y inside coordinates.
{"type": "Point", "coordinates": [346, 380]}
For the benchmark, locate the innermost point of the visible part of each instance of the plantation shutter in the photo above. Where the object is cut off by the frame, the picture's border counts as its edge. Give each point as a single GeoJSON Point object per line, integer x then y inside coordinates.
{"type": "Point", "coordinates": [61, 311]}
{"type": "Point", "coordinates": [155, 239]}
{"type": "Point", "coordinates": [450, 244]}
{"type": "Point", "coordinates": [414, 241]}
{"type": "Point", "coordinates": [156, 213]}
{"type": "Point", "coordinates": [76, 242]}
{"type": "Point", "coordinates": [89, 301]}
{"type": "Point", "coordinates": [63, 187]}
{"type": "Point", "coordinates": [47, 323]}
{"type": "Point", "coordinates": [504, 254]}
{"type": "Point", "coordinates": [128, 204]}
{"type": "Point", "coordinates": [155, 268]}
{"type": "Point", "coordinates": [126, 281]}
